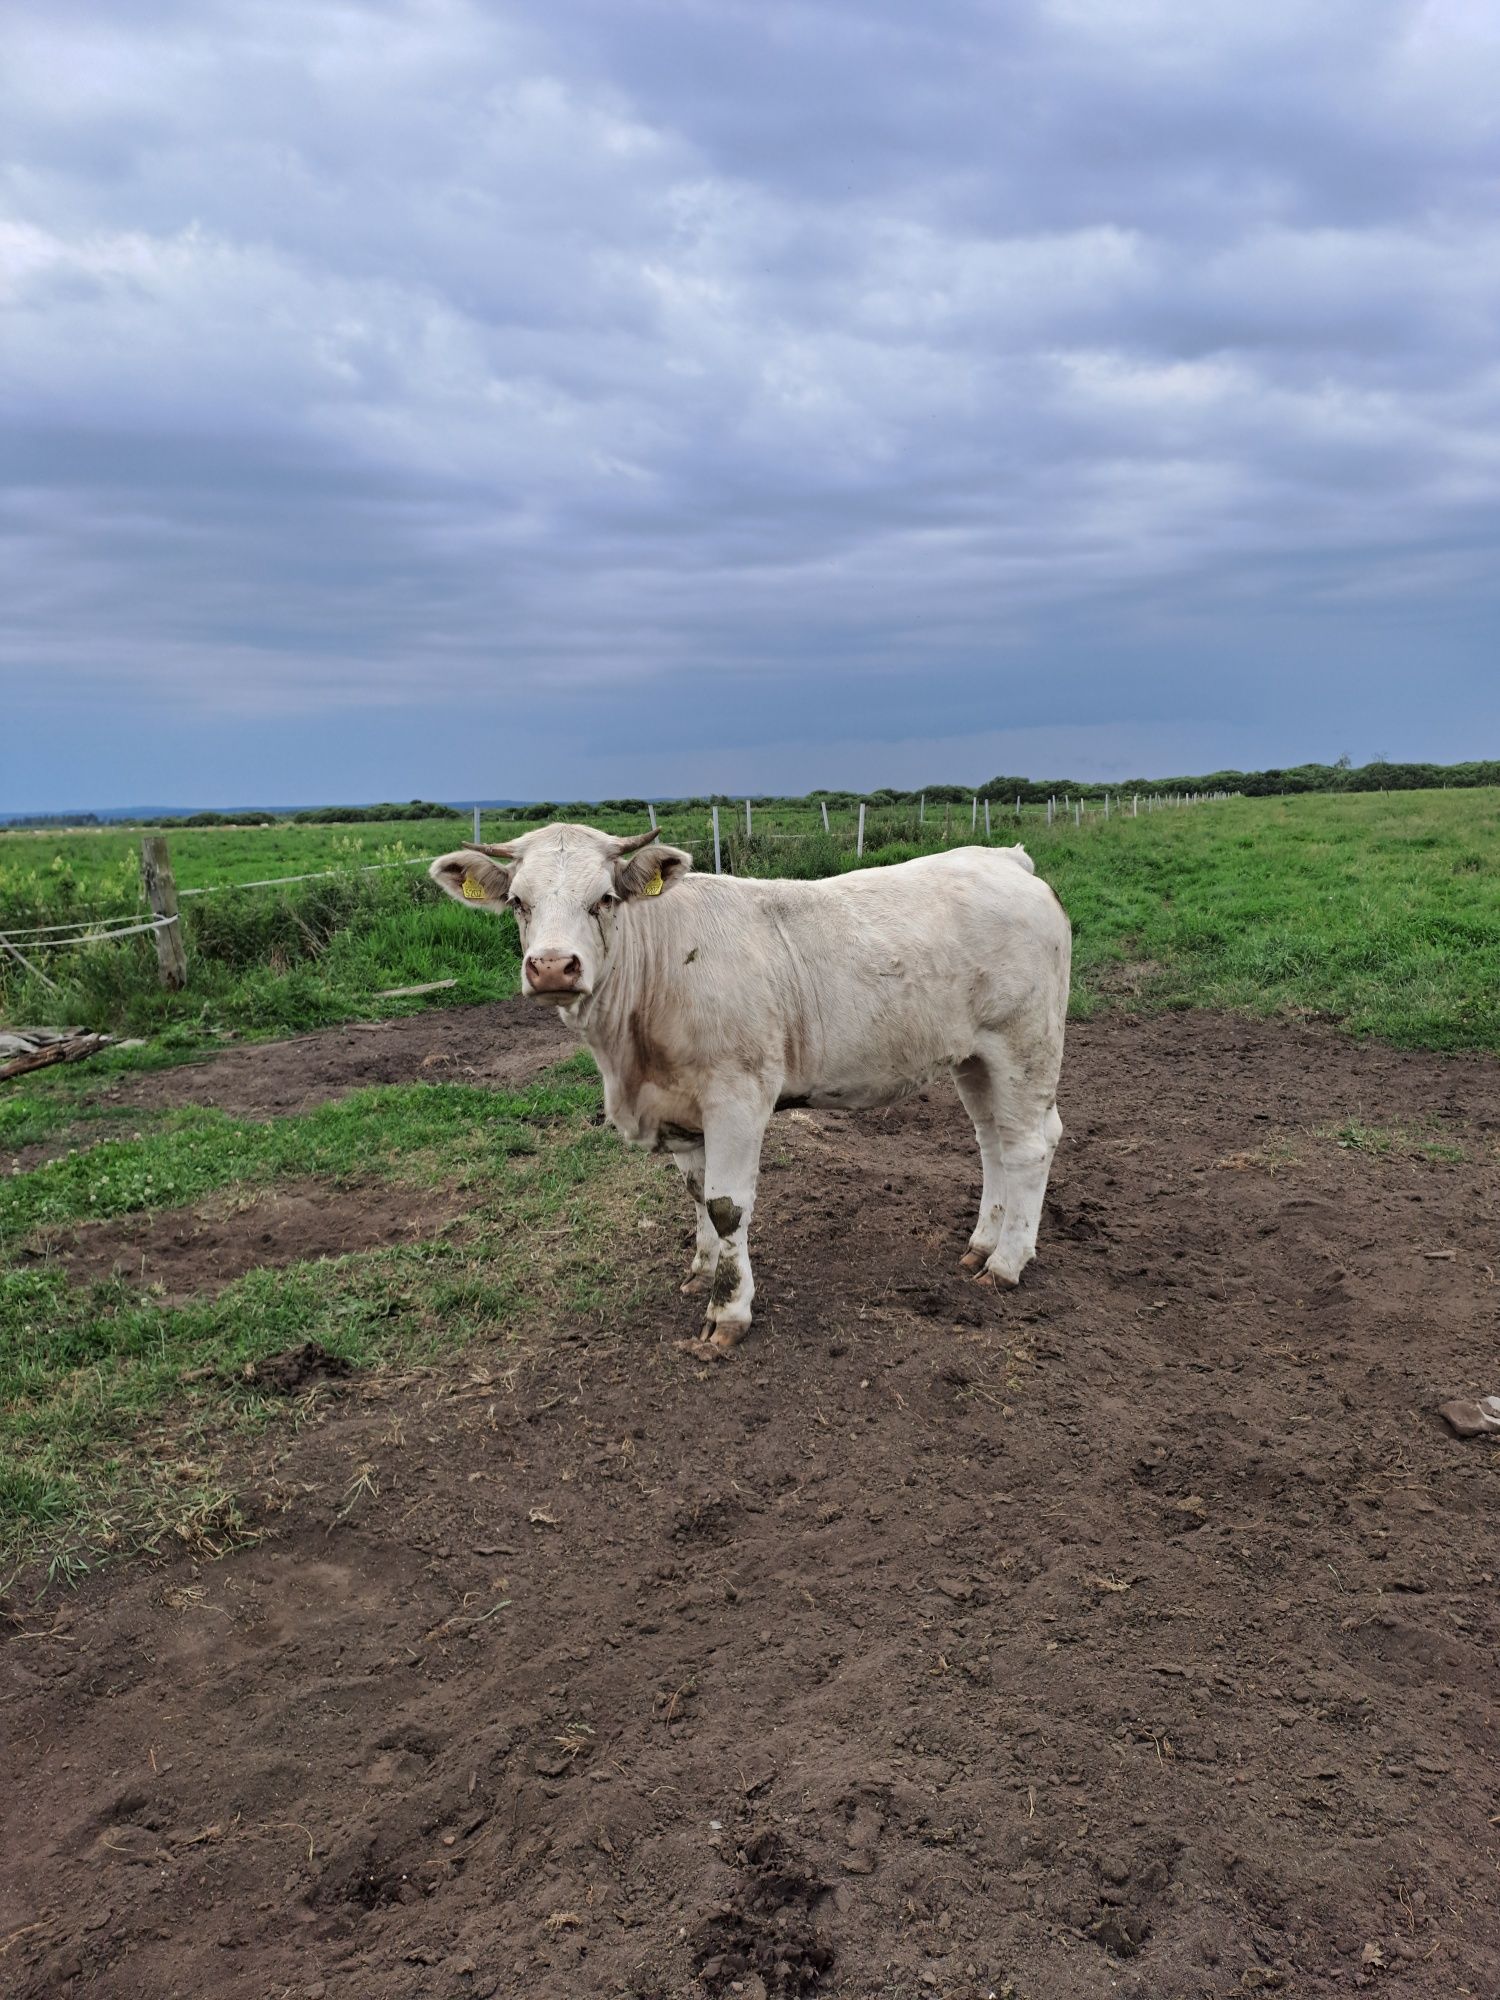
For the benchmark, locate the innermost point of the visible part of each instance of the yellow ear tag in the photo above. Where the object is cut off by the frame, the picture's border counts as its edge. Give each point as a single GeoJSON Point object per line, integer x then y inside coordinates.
{"type": "Point", "coordinates": [473, 891]}
{"type": "Point", "coordinates": [653, 887]}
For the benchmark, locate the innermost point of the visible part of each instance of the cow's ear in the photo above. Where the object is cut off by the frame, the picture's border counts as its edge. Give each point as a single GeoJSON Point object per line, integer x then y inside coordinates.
{"type": "Point", "coordinates": [472, 878]}
{"type": "Point", "coordinates": [650, 870]}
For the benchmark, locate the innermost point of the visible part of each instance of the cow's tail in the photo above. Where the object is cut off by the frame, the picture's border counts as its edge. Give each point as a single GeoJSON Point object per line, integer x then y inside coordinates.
{"type": "Point", "coordinates": [1021, 858]}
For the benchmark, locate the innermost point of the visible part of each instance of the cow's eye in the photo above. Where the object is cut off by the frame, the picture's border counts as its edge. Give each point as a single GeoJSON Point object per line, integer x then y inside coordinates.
{"type": "Point", "coordinates": [606, 902]}
{"type": "Point", "coordinates": [522, 910]}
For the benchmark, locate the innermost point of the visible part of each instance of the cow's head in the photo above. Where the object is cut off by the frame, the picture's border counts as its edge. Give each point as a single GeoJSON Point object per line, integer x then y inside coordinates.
{"type": "Point", "coordinates": [565, 886]}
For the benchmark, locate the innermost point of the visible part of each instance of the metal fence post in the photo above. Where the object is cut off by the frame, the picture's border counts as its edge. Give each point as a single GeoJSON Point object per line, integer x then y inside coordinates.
{"type": "Point", "coordinates": [859, 839]}
{"type": "Point", "coordinates": [824, 804]}
{"type": "Point", "coordinates": [718, 866]}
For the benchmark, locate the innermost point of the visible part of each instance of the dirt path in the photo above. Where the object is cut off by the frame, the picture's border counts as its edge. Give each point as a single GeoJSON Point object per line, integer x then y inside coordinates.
{"type": "Point", "coordinates": [504, 1045]}
{"type": "Point", "coordinates": [1131, 1635]}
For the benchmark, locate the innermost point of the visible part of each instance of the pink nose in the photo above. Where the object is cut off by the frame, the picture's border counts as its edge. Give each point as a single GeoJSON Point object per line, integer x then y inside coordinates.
{"type": "Point", "coordinates": [553, 971]}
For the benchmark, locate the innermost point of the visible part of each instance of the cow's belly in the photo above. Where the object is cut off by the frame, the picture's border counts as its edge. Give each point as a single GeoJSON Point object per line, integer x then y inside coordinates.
{"type": "Point", "coordinates": [867, 1092]}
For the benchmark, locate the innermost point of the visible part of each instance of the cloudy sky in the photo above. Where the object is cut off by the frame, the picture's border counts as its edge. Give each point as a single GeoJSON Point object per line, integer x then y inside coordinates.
{"type": "Point", "coordinates": [452, 398]}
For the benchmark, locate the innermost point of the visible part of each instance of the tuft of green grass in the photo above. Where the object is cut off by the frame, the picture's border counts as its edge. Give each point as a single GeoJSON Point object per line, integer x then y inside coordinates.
{"type": "Point", "coordinates": [416, 1132]}
{"type": "Point", "coordinates": [1390, 1142]}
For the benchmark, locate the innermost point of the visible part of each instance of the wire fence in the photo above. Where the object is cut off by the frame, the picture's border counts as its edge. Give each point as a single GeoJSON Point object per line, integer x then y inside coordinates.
{"type": "Point", "coordinates": [21, 944]}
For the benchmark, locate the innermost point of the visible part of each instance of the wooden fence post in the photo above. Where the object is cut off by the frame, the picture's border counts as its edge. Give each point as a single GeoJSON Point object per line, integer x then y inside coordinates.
{"type": "Point", "coordinates": [718, 869]}
{"type": "Point", "coordinates": [922, 811]}
{"type": "Point", "coordinates": [859, 843]}
{"type": "Point", "coordinates": [651, 811]}
{"type": "Point", "coordinates": [974, 816]}
{"type": "Point", "coordinates": [477, 834]}
{"type": "Point", "coordinates": [986, 819]}
{"type": "Point", "coordinates": [161, 894]}
{"type": "Point", "coordinates": [824, 804]}
{"type": "Point", "coordinates": [747, 819]}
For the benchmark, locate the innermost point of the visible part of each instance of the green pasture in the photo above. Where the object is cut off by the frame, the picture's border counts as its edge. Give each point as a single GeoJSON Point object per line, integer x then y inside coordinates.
{"type": "Point", "coordinates": [120, 1412]}
{"type": "Point", "coordinates": [1379, 911]}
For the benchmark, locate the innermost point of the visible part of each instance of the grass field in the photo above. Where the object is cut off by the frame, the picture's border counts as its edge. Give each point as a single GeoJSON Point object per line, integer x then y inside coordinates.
{"type": "Point", "coordinates": [119, 1408]}
{"type": "Point", "coordinates": [1380, 910]}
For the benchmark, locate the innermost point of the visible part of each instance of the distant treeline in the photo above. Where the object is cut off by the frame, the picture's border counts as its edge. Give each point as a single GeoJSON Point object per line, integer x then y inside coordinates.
{"type": "Point", "coordinates": [321, 815]}
{"type": "Point", "coordinates": [24, 820]}
{"type": "Point", "coordinates": [1380, 776]}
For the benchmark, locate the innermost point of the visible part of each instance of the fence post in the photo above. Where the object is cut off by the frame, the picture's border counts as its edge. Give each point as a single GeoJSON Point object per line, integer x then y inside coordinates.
{"type": "Point", "coordinates": [986, 819]}
{"type": "Point", "coordinates": [824, 804]}
{"type": "Point", "coordinates": [922, 811]}
{"type": "Point", "coordinates": [1078, 812]}
{"type": "Point", "coordinates": [161, 894]}
{"type": "Point", "coordinates": [1018, 805]}
{"type": "Point", "coordinates": [859, 839]}
{"type": "Point", "coordinates": [651, 813]}
{"type": "Point", "coordinates": [1106, 805]}
{"type": "Point", "coordinates": [974, 816]}
{"type": "Point", "coordinates": [718, 868]}
{"type": "Point", "coordinates": [747, 819]}
{"type": "Point", "coordinates": [476, 826]}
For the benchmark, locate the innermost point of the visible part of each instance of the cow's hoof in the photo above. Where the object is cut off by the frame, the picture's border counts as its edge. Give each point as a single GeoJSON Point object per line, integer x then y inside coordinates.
{"type": "Point", "coordinates": [997, 1281]}
{"type": "Point", "coordinates": [701, 1350]}
{"type": "Point", "coordinates": [725, 1333]}
{"type": "Point", "coordinates": [973, 1260]}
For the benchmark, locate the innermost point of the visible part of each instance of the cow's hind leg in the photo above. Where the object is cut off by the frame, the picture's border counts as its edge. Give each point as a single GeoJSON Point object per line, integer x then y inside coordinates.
{"type": "Point", "coordinates": [1026, 1128]}
{"type": "Point", "coordinates": [976, 1088]}
{"type": "Point", "coordinates": [689, 1162]}
{"type": "Point", "coordinates": [732, 1135]}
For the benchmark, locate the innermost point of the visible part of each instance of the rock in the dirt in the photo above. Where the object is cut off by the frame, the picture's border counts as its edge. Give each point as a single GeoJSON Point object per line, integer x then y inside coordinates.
{"type": "Point", "coordinates": [1476, 1419]}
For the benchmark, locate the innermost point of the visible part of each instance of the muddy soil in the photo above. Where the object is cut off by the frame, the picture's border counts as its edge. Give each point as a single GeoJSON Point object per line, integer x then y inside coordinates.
{"type": "Point", "coordinates": [503, 1044]}
{"type": "Point", "coordinates": [1134, 1634]}
{"type": "Point", "coordinates": [187, 1253]}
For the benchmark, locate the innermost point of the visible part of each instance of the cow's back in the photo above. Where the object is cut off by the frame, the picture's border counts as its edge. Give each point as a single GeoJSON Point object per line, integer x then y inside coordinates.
{"type": "Point", "coordinates": [846, 991]}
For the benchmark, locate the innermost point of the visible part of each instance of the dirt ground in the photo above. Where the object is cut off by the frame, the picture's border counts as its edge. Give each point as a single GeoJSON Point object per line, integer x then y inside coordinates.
{"type": "Point", "coordinates": [195, 1253]}
{"type": "Point", "coordinates": [1134, 1634]}
{"type": "Point", "coordinates": [503, 1044]}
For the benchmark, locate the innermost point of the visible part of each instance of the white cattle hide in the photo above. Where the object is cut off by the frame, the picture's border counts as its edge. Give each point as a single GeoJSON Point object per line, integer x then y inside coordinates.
{"type": "Point", "coordinates": [711, 1001]}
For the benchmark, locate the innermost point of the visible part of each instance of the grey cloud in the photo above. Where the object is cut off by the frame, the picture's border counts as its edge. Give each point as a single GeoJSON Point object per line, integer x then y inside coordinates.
{"type": "Point", "coordinates": [644, 358]}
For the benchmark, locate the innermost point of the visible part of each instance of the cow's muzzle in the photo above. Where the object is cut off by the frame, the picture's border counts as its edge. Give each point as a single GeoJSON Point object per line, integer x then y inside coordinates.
{"type": "Point", "coordinates": [553, 975]}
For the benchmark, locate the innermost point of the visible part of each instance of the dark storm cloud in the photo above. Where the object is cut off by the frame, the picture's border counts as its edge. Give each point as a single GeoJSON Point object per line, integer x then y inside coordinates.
{"type": "Point", "coordinates": [641, 391]}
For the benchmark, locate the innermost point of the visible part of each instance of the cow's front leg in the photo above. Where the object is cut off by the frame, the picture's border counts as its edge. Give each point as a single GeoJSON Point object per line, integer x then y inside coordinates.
{"type": "Point", "coordinates": [689, 1162]}
{"type": "Point", "coordinates": [732, 1135]}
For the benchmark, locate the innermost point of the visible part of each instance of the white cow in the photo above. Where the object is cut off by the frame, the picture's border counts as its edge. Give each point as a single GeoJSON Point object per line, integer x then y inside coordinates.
{"type": "Point", "coordinates": [711, 1001]}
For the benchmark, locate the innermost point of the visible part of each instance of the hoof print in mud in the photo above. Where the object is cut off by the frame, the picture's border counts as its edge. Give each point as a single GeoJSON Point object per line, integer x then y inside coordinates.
{"type": "Point", "coordinates": [285, 1373]}
{"type": "Point", "coordinates": [765, 1929]}
{"type": "Point", "coordinates": [1129, 1892]}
